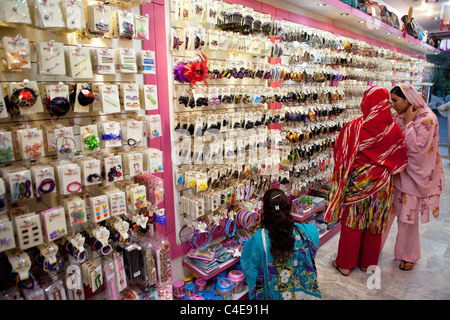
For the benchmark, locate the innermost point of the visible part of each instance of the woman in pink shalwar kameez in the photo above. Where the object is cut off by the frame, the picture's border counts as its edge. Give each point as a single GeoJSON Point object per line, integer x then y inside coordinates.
{"type": "Point", "coordinates": [417, 189]}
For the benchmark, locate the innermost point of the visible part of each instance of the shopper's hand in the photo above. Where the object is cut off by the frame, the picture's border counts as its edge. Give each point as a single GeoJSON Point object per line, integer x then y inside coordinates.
{"type": "Point", "coordinates": [410, 113]}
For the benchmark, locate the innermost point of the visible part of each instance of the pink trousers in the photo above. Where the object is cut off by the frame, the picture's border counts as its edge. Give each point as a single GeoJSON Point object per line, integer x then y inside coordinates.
{"type": "Point", "coordinates": [407, 242]}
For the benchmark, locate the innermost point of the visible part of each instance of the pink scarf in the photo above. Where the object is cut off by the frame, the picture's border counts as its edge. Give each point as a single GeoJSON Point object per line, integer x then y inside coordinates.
{"type": "Point", "coordinates": [423, 176]}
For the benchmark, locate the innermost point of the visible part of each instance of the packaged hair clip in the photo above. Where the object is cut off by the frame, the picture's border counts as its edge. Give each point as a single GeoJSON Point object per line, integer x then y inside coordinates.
{"type": "Point", "coordinates": [48, 14]}
{"type": "Point", "coordinates": [15, 11]}
{"type": "Point", "coordinates": [109, 97]}
{"type": "Point", "coordinates": [76, 210]}
{"type": "Point", "coordinates": [79, 62]}
{"type": "Point", "coordinates": [103, 60]}
{"type": "Point", "coordinates": [17, 51]}
{"type": "Point", "coordinates": [50, 56]}
{"type": "Point", "coordinates": [73, 14]}
{"type": "Point", "coordinates": [129, 96]}
{"type": "Point", "coordinates": [141, 24]}
{"type": "Point", "coordinates": [6, 147]}
{"type": "Point", "coordinates": [54, 223]}
{"type": "Point", "coordinates": [123, 22]}
{"type": "Point", "coordinates": [89, 138]}
{"type": "Point", "coordinates": [163, 261]}
{"type": "Point", "coordinates": [31, 143]}
{"type": "Point", "coordinates": [146, 62]}
{"type": "Point", "coordinates": [7, 234]}
{"type": "Point", "coordinates": [126, 60]}
{"type": "Point", "coordinates": [99, 19]}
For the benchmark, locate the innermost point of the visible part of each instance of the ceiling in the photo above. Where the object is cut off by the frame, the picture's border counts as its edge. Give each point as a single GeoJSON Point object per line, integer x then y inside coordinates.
{"type": "Point", "coordinates": [361, 23]}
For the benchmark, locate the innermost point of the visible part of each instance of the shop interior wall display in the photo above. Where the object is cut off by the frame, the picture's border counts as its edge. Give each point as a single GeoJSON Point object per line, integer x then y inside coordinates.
{"type": "Point", "coordinates": [277, 93]}
{"type": "Point", "coordinates": [134, 135]}
{"type": "Point", "coordinates": [82, 162]}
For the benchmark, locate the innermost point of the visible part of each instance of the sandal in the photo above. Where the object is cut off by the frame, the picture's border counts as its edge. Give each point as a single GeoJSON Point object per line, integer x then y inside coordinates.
{"type": "Point", "coordinates": [339, 269]}
{"type": "Point", "coordinates": [403, 266]}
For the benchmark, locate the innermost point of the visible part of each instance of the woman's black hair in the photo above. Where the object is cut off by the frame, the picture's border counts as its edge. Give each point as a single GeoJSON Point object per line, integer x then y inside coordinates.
{"type": "Point", "coordinates": [278, 221]}
{"type": "Point", "coordinates": [398, 92]}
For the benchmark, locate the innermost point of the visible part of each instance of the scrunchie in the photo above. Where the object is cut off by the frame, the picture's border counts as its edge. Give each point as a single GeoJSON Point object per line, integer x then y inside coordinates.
{"type": "Point", "coordinates": [85, 97]}
{"type": "Point", "coordinates": [58, 106]}
{"type": "Point", "coordinates": [23, 98]}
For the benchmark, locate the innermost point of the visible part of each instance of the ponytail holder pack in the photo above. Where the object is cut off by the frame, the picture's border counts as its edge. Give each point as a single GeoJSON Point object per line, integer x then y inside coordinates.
{"type": "Point", "coordinates": [85, 97]}
{"type": "Point", "coordinates": [91, 141]}
{"type": "Point", "coordinates": [89, 138]}
{"type": "Point", "coordinates": [23, 98]}
{"type": "Point", "coordinates": [58, 106]}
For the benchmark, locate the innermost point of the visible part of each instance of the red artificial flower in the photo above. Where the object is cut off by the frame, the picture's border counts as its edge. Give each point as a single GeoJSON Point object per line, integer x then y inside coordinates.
{"type": "Point", "coordinates": [197, 70]}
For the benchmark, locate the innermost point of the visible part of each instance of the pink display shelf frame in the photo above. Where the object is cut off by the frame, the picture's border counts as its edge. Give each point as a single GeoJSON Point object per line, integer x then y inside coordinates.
{"type": "Point", "coordinates": [158, 43]}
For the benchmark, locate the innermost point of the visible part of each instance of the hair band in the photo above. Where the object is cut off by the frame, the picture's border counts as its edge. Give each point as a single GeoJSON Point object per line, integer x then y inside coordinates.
{"type": "Point", "coordinates": [48, 181]}
{"type": "Point", "coordinates": [74, 183]}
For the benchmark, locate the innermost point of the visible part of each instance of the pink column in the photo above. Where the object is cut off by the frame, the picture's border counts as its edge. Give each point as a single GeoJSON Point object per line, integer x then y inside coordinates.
{"type": "Point", "coordinates": [158, 43]}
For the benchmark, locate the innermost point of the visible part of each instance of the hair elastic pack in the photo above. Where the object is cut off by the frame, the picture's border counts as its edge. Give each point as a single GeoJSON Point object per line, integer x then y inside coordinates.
{"type": "Point", "coordinates": [50, 186]}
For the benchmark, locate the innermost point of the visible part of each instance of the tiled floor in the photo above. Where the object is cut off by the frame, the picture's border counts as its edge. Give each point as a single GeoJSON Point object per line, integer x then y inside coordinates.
{"type": "Point", "coordinates": [429, 280]}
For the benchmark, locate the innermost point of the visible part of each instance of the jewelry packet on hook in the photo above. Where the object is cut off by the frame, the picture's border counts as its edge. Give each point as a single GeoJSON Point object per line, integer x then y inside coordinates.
{"type": "Point", "coordinates": [54, 223]}
{"type": "Point", "coordinates": [133, 163]}
{"type": "Point", "coordinates": [15, 11]}
{"type": "Point", "coordinates": [65, 140]}
{"type": "Point", "coordinates": [26, 97]}
{"type": "Point", "coordinates": [123, 24]}
{"type": "Point", "coordinates": [109, 97]}
{"type": "Point", "coordinates": [79, 62]}
{"type": "Point", "coordinates": [50, 57]}
{"type": "Point", "coordinates": [99, 18]}
{"type": "Point", "coordinates": [69, 178]}
{"type": "Point", "coordinates": [146, 62]}
{"type": "Point", "coordinates": [6, 147]}
{"type": "Point", "coordinates": [113, 168]}
{"type": "Point", "coordinates": [141, 24]}
{"type": "Point", "coordinates": [90, 171]}
{"type": "Point", "coordinates": [44, 179]}
{"type": "Point", "coordinates": [73, 11]}
{"type": "Point", "coordinates": [99, 208]}
{"type": "Point", "coordinates": [126, 60]}
{"type": "Point", "coordinates": [149, 97]}
{"type": "Point", "coordinates": [103, 61]}
{"type": "Point", "coordinates": [28, 230]}
{"type": "Point", "coordinates": [155, 126]}
{"type": "Point", "coordinates": [8, 240]}
{"type": "Point", "coordinates": [48, 14]}
{"type": "Point", "coordinates": [129, 96]}
{"type": "Point", "coordinates": [76, 210]}
{"type": "Point", "coordinates": [17, 51]}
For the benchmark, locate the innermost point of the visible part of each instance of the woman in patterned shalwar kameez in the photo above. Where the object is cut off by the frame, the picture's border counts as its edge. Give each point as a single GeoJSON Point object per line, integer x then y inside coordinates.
{"type": "Point", "coordinates": [367, 152]}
